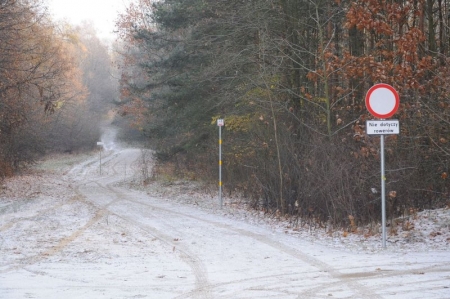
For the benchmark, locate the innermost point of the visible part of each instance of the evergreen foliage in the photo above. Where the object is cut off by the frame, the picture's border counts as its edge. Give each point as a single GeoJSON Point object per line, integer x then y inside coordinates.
{"type": "Point", "coordinates": [289, 77]}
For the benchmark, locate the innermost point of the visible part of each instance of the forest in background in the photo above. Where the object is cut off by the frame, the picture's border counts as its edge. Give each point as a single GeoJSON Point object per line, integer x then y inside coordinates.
{"type": "Point", "coordinates": [56, 85]}
{"type": "Point", "coordinates": [289, 78]}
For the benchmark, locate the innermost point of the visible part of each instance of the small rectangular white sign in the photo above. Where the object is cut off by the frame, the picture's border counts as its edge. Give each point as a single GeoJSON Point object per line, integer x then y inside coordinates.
{"type": "Point", "coordinates": [383, 127]}
{"type": "Point", "coordinates": [220, 122]}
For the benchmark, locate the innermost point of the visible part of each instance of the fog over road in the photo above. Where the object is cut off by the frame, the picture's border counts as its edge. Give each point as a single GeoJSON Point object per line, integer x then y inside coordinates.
{"type": "Point", "coordinates": [89, 235]}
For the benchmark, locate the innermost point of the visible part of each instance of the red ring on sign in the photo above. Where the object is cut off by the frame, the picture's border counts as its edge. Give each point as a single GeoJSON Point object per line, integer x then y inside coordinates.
{"type": "Point", "coordinates": [394, 93]}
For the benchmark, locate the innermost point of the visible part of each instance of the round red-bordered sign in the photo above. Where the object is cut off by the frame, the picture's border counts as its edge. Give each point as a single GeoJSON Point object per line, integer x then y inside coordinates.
{"type": "Point", "coordinates": [382, 100]}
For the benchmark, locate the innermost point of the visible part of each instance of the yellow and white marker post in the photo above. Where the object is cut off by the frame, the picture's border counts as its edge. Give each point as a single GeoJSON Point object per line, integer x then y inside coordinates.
{"type": "Point", "coordinates": [220, 124]}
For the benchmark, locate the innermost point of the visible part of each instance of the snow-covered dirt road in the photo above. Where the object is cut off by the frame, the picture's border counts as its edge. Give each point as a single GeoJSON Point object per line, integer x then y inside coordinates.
{"type": "Point", "coordinates": [89, 235]}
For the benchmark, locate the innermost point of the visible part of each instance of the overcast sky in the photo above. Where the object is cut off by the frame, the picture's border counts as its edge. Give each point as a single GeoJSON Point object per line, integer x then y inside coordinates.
{"type": "Point", "coordinates": [102, 12]}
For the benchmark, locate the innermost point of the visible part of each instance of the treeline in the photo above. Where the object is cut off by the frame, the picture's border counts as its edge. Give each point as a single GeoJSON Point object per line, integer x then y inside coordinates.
{"type": "Point", "coordinates": [55, 85]}
{"type": "Point", "coordinates": [290, 77]}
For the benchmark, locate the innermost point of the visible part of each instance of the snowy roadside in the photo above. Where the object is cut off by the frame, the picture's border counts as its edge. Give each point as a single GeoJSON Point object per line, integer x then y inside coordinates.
{"type": "Point", "coordinates": [69, 230]}
{"type": "Point", "coordinates": [41, 182]}
{"type": "Point", "coordinates": [422, 231]}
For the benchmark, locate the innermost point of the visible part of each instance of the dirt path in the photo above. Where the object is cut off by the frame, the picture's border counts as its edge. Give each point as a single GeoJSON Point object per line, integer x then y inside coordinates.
{"type": "Point", "coordinates": [94, 237]}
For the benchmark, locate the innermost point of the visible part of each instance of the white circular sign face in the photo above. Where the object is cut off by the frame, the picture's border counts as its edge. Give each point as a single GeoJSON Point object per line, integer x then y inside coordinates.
{"type": "Point", "coordinates": [382, 100]}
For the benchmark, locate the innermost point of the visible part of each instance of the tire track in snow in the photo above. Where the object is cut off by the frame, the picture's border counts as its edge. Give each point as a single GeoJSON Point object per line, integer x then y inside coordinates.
{"type": "Point", "coordinates": [78, 169]}
{"type": "Point", "coordinates": [202, 285]}
{"type": "Point", "coordinates": [55, 249]}
{"type": "Point", "coordinates": [321, 266]}
{"type": "Point", "coordinates": [201, 288]}
{"type": "Point", "coordinates": [350, 279]}
{"type": "Point", "coordinates": [37, 214]}
{"type": "Point", "coordinates": [356, 281]}
{"type": "Point", "coordinates": [21, 263]}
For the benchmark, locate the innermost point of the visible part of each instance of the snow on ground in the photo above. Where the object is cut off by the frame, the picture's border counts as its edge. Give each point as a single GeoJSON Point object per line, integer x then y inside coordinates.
{"type": "Point", "coordinates": [420, 231]}
{"type": "Point", "coordinates": [67, 231]}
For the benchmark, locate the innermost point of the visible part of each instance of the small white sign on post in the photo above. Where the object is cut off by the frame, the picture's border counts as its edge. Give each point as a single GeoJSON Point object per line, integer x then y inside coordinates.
{"type": "Point", "coordinates": [220, 122]}
{"type": "Point", "coordinates": [382, 127]}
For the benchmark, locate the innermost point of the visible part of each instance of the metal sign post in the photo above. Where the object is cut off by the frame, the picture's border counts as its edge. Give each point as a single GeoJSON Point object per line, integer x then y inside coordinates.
{"type": "Point", "coordinates": [101, 144]}
{"type": "Point", "coordinates": [382, 101]}
{"type": "Point", "coordinates": [383, 127]}
{"type": "Point", "coordinates": [383, 193]}
{"type": "Point", "coordinates": [220, 124]}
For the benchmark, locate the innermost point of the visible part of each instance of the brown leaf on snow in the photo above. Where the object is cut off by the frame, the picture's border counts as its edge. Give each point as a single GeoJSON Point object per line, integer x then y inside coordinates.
{"type": "Point", "coordinates": [434, 234]}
